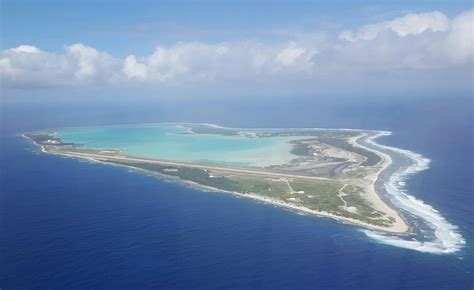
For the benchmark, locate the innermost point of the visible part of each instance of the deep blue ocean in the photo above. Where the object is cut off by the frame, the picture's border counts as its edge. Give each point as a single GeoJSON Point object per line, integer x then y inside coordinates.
{"type": "Point", "coordinates": [69, 224]}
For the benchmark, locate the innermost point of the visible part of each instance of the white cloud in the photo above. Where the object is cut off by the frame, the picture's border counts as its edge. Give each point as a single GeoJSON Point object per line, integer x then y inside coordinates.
{"type": "Point", "coordinates": [415, 42]}
{"type": "Point", "coordinates": [134, 70]}
{"type": "Point", "coordinates": [290, 54]}
{"type": "Point", "coordinates": [192, 62]}
{"type": "Point", "coordinates": [411, 24]}
{"type": "Point", "coordinates": [460, 41]}
{"type": "Point", "coordinates": [27, 65]}
{"type": "Point", "coordinates": [89, 63]}
{"type": "Point", "coordinates": [26, 48]}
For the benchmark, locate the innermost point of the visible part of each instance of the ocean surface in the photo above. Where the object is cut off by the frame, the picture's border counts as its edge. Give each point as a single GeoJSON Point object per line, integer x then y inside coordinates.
{"type": "Point", "coordinates": [172, 142]}
{"type": "Point", "coordinates": [67, 223]}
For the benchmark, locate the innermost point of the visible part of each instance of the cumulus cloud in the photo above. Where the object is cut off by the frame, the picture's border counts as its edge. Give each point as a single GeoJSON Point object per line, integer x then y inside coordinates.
{"type": "Point", "coordinates": [88, 63]}
{"type": "Point", "coordinates": [27, 65]}
{"type": "Point", "coordinates": [195, 61]}
{"type": "Point", "coordinates": [411, 24]}
{"type": "Point", "coordinates": [26, 48]}
{"type": "Point", "coordinates": [460, 41]}
{"type": "Point", "coordinates": [414, 42]}
{"type": "Point", "coordinates": [134, 70]}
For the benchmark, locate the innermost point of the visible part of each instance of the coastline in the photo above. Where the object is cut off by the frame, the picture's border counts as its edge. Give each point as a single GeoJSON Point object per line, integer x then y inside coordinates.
{"type": "Point", "coordinates": [400, 224]}
{"type": "Point", "coordinates": [443, 237]}
{"type": "Point", "coordinates": [398, 227]}
{"type": "Point", "coordinates": [298, 209]}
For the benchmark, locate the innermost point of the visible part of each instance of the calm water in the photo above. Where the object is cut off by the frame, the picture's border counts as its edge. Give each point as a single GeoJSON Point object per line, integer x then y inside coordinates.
{"type": "Point", "coordinates": [72, 224]}
{"type": "Point", "coordinates": [171, 142]}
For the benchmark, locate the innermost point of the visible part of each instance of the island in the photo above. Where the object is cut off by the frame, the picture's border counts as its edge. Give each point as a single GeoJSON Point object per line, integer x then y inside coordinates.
{"type": "Point", "coordinates": [324, 172]}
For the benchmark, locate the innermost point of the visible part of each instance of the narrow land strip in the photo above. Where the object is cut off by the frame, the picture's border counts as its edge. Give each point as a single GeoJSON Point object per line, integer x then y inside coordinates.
{"type": "Point", "coordinates": [350, 196]}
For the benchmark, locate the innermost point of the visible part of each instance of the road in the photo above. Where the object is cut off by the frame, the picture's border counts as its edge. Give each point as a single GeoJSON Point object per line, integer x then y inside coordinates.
{"type": "Point", "coordinates": [340, 194]}
{"type": "Point", "coordinates": [191, 165]}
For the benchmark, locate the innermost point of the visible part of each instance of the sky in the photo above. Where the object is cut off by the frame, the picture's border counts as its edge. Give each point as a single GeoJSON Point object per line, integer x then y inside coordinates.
{"type": "Point", "coordinates": [234, 48]}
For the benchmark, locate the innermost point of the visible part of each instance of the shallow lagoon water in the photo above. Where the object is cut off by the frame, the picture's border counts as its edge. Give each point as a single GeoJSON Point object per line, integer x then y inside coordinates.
{"type": "Point", "coordinates": [173, 142]}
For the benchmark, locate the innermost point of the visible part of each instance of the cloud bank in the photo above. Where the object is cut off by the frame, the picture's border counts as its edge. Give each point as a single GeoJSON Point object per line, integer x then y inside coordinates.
{"type": "Point", "coordinates": [415, 43]}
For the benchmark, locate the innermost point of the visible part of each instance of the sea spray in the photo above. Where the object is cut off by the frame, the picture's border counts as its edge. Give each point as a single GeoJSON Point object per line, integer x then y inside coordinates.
{"type": "Point", "coordinates": [445, 237]}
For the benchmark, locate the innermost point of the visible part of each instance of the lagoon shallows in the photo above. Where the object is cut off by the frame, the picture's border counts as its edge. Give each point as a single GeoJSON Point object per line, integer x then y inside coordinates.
{"type": "Point", "coordinates": [173, 142]}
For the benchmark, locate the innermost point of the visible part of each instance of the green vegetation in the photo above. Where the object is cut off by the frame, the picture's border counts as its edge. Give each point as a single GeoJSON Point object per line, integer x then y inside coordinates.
{"type": "Point", "coordinates": [319, 195]}
{"type": "Point", "coordinates": [365, 212]}
{"type": "Point", "coordinates": [301, 149]}
{"type": "Point", "coordinates": [312, 194]}
{"type": "Point", "coordinates": [372, 158]}
{"type": "Point", "coordinates": [203, 177]}
{"type": "Point", "coordinates": [358, 173]}
{"type": "Point", "coordinates": [191, 174]}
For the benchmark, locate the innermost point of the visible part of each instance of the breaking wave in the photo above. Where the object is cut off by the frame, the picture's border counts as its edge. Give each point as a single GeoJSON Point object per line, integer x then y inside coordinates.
{"type": "Point", "coordinates": [443, 238]}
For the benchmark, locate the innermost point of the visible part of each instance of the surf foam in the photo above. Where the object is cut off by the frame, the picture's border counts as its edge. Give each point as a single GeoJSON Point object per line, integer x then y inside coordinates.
{"type": "Point", "coordinates": [446, 239]}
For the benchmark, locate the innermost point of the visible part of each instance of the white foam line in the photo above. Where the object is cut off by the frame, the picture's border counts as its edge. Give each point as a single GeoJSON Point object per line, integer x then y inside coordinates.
{"type": "Point", "coordinates": [446, 237]}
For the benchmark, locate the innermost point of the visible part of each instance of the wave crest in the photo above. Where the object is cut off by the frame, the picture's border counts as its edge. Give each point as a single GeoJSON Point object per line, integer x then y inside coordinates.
{"type": "Point", "coordinates": [445, 236]}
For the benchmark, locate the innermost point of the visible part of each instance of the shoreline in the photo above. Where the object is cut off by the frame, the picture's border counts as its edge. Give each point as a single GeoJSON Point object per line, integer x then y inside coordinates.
{"type": "Point", "coordinates": [297, 209]}
{"type": "Point", "coordinates": [376, 197]}
{"type": "Point", "coordinates": [445, 238]}
{"type": "Point", "coordinates": [399, 226]}
{"type": "Point", "coordinates": [442, 237]}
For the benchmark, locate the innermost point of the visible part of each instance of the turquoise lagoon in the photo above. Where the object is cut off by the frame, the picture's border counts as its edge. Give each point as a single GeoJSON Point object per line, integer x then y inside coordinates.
{"type": "Point", "coordinates": [175, 142]}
